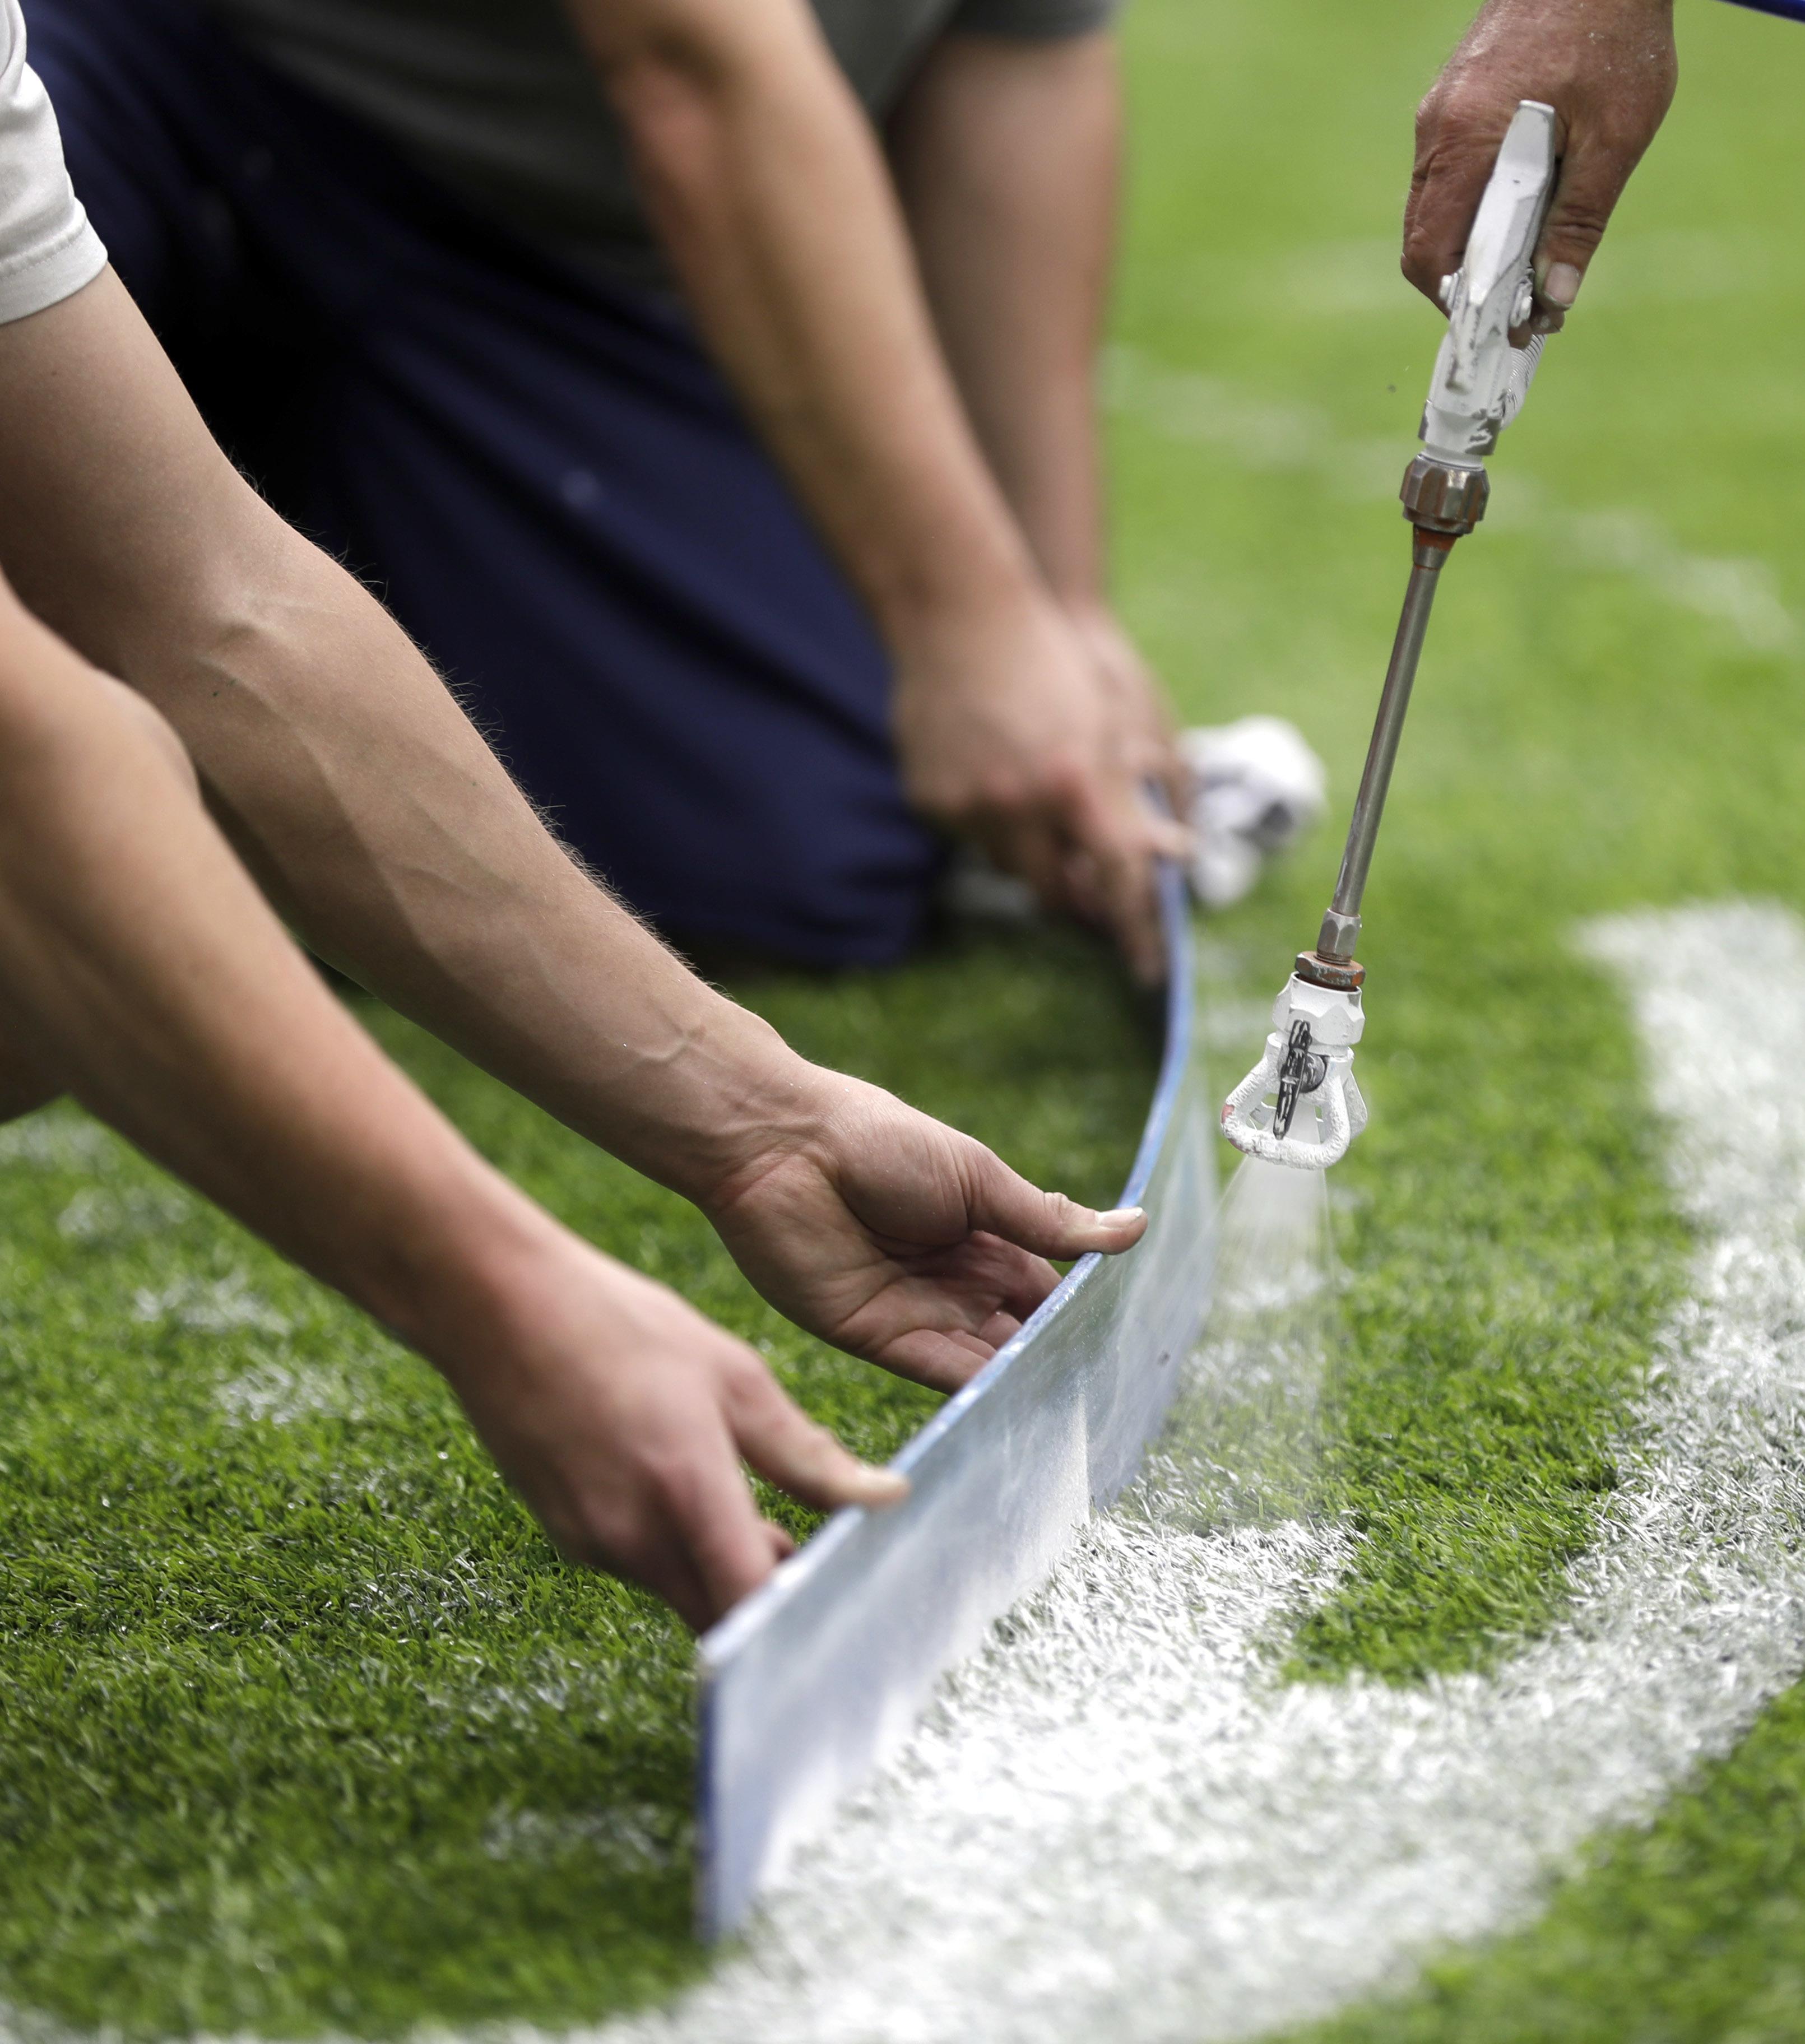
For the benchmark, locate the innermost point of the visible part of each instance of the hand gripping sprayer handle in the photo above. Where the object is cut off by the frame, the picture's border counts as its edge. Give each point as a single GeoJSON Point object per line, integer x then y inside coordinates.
{"type": "Point", "coordinates": [1478, 386]}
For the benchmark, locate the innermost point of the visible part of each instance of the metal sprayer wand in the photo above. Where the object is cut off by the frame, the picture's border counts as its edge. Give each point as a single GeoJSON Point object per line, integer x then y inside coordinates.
{"type": "Point", "coordinates": [1478, 386]}
{"type": "Point", "coordinates": [1443, 502]}
{"type": "Point", "coordinates": [1341, 924]}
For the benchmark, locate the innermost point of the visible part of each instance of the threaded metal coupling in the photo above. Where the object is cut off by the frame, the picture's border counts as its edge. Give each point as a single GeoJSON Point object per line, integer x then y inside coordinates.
{"type": "Point", "coordinates": [1444, 496]}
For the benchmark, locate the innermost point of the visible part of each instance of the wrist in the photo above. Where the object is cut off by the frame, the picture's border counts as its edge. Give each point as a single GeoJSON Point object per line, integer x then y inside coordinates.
{"type": "Point", "coordinates": [730, 1093]}
{"type": "Point", "coordinates": [441, 1265]}
{"type": "Point", "coordinates": [800, 1121]}
{"type": "Point", "coordinates": [957, 585]}
{"type": "Point", "coordinates": [966, 637]}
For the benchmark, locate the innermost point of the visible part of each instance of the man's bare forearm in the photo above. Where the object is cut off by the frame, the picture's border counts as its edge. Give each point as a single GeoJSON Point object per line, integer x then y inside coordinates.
{"type": "Point", "coordinates": [140, 970]}
{"type": "Point", "coordinates": [767, 185]}
{"type": "Point", "coordinates": [769, 192]}
{"type": "Point", "coordinates": [360, 796]}
{"type": "Point", "coordinates": [1007, 152]}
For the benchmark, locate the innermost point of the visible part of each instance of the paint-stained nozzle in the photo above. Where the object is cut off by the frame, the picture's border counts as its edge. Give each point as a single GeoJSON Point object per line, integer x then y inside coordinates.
{"type": "Point", "coordinates": [1301, 1105]}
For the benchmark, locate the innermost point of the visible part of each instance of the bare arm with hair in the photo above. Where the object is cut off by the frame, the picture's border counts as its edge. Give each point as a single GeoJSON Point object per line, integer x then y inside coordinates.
{"type": "Point", "coordinates": [1007, 154]}
{"type": "Point", "coordinates": [377, 819]}
{"type": "Point", "coordinates": [1607, 67]}
{"type": "Point", "coordinates": [769, 191]}
{"type": "Point", "coordinates": [140, 970]}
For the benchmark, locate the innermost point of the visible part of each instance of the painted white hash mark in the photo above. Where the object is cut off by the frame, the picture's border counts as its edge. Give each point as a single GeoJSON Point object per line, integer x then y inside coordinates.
{"type": "Point", "coordinates": [210, 1305]}
{"type": "Point", "coordinates": [277, 1394]}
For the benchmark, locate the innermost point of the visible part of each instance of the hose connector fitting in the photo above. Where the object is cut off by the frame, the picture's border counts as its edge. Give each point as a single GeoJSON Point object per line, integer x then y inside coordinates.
{"type": "Point", "coordinates": [1444, 496]}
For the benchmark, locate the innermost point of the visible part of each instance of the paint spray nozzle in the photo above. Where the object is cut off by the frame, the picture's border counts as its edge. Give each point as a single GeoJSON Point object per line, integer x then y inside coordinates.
{"type": "Point", "coordinates": [1301, 1104]}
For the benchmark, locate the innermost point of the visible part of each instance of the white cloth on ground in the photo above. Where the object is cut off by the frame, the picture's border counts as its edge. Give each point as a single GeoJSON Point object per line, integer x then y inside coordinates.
{"type": "Point", "coordinates": [1259, 789]}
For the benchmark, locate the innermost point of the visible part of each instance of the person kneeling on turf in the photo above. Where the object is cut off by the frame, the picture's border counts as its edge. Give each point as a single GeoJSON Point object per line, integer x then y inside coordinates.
{"type": "Point", "coordinates": [742, 468]}
{"type": "Point", "coordinates": [141, 973]}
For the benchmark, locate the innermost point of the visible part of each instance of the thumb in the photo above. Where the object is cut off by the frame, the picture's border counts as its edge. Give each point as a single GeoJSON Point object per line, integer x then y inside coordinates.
{"type": "Point", "coordinates": [1004, 1204]}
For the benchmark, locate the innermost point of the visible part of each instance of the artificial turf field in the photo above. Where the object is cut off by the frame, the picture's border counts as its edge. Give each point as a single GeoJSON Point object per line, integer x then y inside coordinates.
{"type": "Point", "coordinates": [302, 1726]}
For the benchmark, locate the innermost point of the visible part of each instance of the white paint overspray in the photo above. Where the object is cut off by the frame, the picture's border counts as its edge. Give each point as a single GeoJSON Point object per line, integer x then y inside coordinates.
{"type": "Point", "coordinates": [1120, 1824]}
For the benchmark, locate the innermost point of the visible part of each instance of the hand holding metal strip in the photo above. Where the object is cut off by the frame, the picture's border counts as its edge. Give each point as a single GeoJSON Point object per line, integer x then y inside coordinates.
{"type": "Point", "coordinates": [820, 1676]}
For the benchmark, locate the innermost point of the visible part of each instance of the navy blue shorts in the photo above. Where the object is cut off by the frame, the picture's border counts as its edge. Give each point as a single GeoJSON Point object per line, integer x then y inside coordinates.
{"type": "Point", "coordinates": [539, 471]}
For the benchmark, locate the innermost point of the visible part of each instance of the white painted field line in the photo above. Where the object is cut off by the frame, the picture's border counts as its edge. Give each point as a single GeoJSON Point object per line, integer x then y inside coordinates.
{"type": "Point", "coordinates": [1736, 591]}
{"type": "Point", "coordinates": [1122, 1827]}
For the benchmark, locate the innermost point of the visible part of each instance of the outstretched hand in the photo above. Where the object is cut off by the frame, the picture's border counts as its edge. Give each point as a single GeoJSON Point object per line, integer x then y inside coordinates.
{"type": "Point", "coordinates": [623, 1417]}
{"type": "Point", "coordinates": [1608, 69]}
{"type": "Point", "coordinates": [899, 1240]}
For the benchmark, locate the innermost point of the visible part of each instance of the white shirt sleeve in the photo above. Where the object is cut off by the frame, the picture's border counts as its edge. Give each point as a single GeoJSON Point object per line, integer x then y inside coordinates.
{"type": "Point", "coordinates": [48, 249]}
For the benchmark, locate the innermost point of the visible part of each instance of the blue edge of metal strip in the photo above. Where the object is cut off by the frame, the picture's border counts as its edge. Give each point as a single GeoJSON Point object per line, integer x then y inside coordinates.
{"type": "Point", "coordinates": [1790, 10]}
{"type": "Point", "coordinates": [808, 1685]}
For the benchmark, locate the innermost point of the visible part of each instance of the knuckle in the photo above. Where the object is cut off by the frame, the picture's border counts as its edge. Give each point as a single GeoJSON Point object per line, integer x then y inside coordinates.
{"type": "Point", "coordinates": [598, 1538]}
{"type": "Point", "coordinates": [1579, 228]}
{"type": "Point", "coordinates": [743, 1372]}
{"type": "Point", "coordinates": [993, 790]}
{"type": "Point", "coordinates": [817, 1445]}
{"type": "Point", "coordinates": [1465, 119]}
{"type": "Point", "coordinates": [1058, 773]}
{"type": "Point", "coordinates": [667, 1480]}
{"type": "Point", "coordinates": [1419, 243]}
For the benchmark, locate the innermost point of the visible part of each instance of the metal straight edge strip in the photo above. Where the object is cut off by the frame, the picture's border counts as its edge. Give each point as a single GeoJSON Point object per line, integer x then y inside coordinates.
{"type": "Point", "coordinates": [812, 1682]}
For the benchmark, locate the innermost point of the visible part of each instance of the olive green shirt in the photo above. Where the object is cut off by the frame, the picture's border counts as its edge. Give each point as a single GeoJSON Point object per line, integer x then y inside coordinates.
{"type": "Point", "coordinates": [497, 98]}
